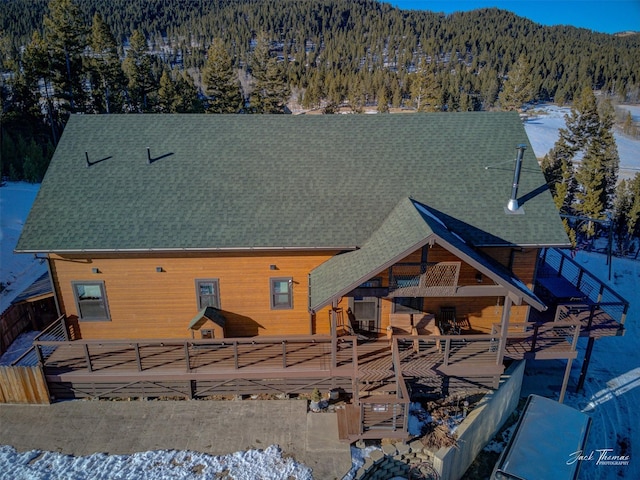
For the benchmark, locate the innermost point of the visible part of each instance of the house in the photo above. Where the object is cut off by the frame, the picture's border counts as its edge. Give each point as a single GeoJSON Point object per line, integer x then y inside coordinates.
{"type": "Point", "coordinates": [314, 237]}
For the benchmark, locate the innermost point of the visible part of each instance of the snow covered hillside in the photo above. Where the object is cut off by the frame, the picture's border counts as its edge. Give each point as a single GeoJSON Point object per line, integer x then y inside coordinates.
{"type": "Point", "coordinates": [545, 121]}
{"type": "Point", "coordinates": [17, 272]}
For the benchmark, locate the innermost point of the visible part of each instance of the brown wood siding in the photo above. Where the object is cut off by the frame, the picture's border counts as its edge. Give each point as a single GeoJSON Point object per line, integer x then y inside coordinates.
{"type": "Point", "coordinates": [481, 312]}
{"type": "Point", "coordinates": [146, 304]}
{"type": "Point", "coordinates": [521, 261]}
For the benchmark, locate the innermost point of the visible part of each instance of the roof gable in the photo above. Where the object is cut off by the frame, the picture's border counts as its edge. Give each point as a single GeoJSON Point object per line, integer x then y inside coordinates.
{"type": "Point", "coordinates": [409, 227]}
{"type": "Point", "coordinates": [261, 181]}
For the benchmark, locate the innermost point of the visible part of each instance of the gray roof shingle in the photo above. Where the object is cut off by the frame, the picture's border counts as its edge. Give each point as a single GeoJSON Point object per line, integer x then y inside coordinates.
{"type": "Point", "coordinates": [260, 181]}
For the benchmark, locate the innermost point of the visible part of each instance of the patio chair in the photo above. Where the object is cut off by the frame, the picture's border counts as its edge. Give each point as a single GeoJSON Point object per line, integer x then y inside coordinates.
{"type": "Point", "coordinates": [447, 321]}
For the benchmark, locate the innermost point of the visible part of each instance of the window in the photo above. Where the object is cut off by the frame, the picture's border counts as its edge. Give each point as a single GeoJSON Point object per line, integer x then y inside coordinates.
{"type": "Point", "coordinates": [281, 293]}
{"type": "Point", "coordinates": [207, 334]}
{"type": "Point", "coordinates": [407, 305]}
{"type": "Point", "coordinates": [91, 300]}
{"type": "Point", "coordinates": [208, 293]}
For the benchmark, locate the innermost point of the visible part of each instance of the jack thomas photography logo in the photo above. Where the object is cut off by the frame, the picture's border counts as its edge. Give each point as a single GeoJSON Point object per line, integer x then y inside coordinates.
{"type": "Point", "coordinates": [603, 456]}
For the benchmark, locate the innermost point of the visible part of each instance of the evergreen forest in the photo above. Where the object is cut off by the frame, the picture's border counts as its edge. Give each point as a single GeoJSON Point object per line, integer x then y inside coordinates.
{"type": "Point", "coordinates": [59, 57]}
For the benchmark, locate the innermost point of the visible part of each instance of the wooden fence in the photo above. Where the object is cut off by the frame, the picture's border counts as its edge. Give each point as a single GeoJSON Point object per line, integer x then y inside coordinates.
{"type": "Point", "coordinates": [25, 316]}
{"type": "Point", "coordinates": [23, 385]}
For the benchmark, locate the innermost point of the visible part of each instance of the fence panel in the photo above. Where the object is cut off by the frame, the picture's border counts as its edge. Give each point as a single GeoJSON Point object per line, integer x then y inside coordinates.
{"type": "Point", "coordinates": [23, 385]}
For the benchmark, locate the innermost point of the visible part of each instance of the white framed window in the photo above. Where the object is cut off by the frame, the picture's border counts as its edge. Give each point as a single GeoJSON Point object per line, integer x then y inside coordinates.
{"type": "Point", "coordinates": [281, 293]}
{"type": "Point", "coordinates": [91, 300]}
{"type": "Point", "coordinates": [208, 293]}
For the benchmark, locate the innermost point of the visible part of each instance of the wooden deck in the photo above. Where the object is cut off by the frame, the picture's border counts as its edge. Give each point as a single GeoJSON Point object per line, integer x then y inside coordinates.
{"type": "Point", "coordinates": [368, 362]}
{"type": "Point", "coordinates": [572, 293]}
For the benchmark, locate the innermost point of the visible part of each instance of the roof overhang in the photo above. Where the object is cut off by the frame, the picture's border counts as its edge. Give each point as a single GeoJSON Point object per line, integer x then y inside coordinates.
{"type": "Point", "coordinates": [424, 227]}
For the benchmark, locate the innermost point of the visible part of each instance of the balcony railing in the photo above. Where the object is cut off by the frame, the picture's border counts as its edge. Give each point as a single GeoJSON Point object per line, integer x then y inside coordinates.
{"type": "Point", "coordinates": [592, 291]}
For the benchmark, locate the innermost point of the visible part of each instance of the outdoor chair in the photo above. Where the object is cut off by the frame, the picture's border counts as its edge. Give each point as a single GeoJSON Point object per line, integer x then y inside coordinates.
{"type": "Point", "coordinates": [447, 321]}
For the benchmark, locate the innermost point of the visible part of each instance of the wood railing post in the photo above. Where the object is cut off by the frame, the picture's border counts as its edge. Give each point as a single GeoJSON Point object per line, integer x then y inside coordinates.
{"type": "Point", "coordinates": [447, 346]}
{"type": "Point", "coordinates": [592, 312]}
{"type": "Point", "coordinates": [138, 359]}
{"type": "Point", "coordinates": [235, 354]}
{"type": "Point", "coordinates": [65, 330]}
{"type": "Point", "coordinates": [39, 355]}
{"type": "Point", "coordinates": [87, 357]}
{"type": "Point", "coordinates": [186, 356]}
{"type": "Point", "coordinates": [561, 265]}
{"type": "Point", "coordinates": [284, 354]}
{"type": "Point", "coordinates": [535, 337]}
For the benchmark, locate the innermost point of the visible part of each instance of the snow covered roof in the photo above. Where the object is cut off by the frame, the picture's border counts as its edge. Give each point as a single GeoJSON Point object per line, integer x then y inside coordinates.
{"type": "Point", "coordinates": [226, 182]}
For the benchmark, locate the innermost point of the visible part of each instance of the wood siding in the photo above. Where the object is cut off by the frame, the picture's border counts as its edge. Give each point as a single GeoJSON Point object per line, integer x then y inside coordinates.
{"type": "Point", "coordinates": [480, 312]}
{"type": "Point", "coordinates": [144, 303]}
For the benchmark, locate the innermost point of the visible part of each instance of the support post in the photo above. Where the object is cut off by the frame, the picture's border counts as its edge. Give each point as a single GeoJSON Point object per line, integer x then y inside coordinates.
{"type": "Point", "coordinates": [585, 364]}
{"type": "Point", "coordinates": [88, 358]}
{"type": "Point", "coordinates": [138, 359]}
{"type": "Point", "coordinates": [284, 354]}
{"type": "Point", "coordinates": [504, 329]}
{"type": "Point", "coordinates": [186, 356]}
{"type": "Point", "coordinates": [565, 380]}
{"type": "Point", "coordinates": [334, 335]}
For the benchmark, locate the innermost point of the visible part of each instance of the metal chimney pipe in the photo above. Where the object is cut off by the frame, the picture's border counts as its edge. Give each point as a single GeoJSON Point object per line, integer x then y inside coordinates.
{"type": "Point", "coordinates": [513, 206]}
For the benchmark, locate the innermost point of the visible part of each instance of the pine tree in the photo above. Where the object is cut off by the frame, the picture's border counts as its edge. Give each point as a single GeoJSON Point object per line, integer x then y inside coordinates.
{"type": "Point", "coordinates": [107, 77]}
{"type": "Point", "coordinates": [590, 133]}
{"type": "Point", "coordinates": [220, 81]}
{"type": "Point", "coordinates": [558, 169]}
{"type": "Point", "coordinates": [167, 94]}
{"type": "Point", "coordinates": [425, 91]}
{"type": "Point", "coordinates": [383, 100]}
{"type": "Point", "coordinates": [65, 34]}
{"type": "Point", "coordinates": [633, 224]}
{"type": "Point", "coordinates": [188, 101]}
{"type": "Point", "coordinates": [270, 91]}
{"type": "Point", "coordinates": [137, 68]}
{"type": "Point", "coordinates": [518, 88]}
{"type": "Point", "coordinates": [621, 214]}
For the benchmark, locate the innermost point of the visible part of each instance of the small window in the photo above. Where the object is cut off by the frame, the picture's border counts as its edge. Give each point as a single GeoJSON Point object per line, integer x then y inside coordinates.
{"type": "Point", "coordinates": [207, 334]}
{"type": "Point", "coordinates": [91, 300]}
{"type": "Point", "coordinates": [281, 293]}
{"type": "Point", "coordinates": [208, 293]}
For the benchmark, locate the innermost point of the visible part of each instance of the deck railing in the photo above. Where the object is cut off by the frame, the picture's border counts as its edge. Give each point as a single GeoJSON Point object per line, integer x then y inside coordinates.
{"type": "Point", "coordinates": [598, 293]}
{"type": "Point", "coordinates": [536, 337]}
{"type": "Point", "coordinates": [387, 412]}
{"type": "Point", "coordinates": [307, 353]}
{"type": "Point", "coordinates": [451, 349]}
{"type": "Point", "coordinates": [56, 332]}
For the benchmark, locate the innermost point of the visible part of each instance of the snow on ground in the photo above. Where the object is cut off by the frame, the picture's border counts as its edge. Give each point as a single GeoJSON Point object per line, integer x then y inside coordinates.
{"type": "Point", "coordinates": [156, 465]}
{"type": "Point", "coordinates": [19, 346]}
{"type": "Point", "coordinates": [545, 120]}
{"type": "Point", "coordinates": [17, 272]}
{"type": "Point", "coordinates": [610, 395]}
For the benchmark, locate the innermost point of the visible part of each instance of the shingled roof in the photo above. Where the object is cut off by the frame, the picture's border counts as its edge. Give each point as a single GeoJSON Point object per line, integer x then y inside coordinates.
{"type": "Point", "coordinates": [269, 182]}
{"type": "Point", "coordinates": [409, 227]}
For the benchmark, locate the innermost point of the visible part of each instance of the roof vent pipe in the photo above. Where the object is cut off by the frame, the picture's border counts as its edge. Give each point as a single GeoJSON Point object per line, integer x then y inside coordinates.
{"type": "Point", "coordinates": [513, 205]}
{"type": "Point", "coordinates": [148, 155]}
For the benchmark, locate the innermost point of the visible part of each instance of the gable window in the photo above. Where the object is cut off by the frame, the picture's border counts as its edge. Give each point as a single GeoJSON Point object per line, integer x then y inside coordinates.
{"type": "Point", "coordinates": [91, 300]}
{"type": "Point", "coordinates": [208, 293]}
{"type": "Point", "coordinates": [281, 293]}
